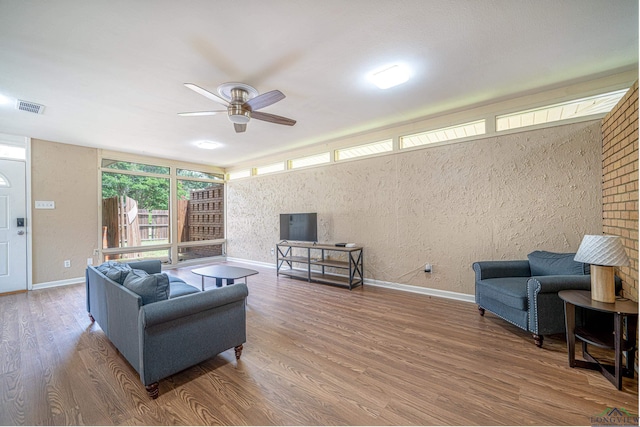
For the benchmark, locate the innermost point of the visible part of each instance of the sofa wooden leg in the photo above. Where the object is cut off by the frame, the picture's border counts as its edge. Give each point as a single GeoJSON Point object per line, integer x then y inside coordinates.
{"type": "Point", "coordinates": [153, 390]}
{"type": "Point", "coordinates": [238, 350]}
{"type": "Point", "coordinates": [538, 339]}
{"type": "Point", "coordinates": [481, 310]}
{"type": "Point", "coordinates": [91, 317]}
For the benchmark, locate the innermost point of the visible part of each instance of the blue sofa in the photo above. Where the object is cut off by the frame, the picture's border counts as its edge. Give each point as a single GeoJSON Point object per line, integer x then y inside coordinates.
{"type": "Point", "coordinates": [525, 292]}
{"type": "Point", "coordinates": [160, 324]}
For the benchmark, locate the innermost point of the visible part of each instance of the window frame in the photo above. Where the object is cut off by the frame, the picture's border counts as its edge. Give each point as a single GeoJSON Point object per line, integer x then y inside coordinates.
{"type": "Point", "coordinates": [134, 249]}
{"type": "Point", "coordinates": [173, 177]}
{"type": "Point", "coordinates": [222, 241]}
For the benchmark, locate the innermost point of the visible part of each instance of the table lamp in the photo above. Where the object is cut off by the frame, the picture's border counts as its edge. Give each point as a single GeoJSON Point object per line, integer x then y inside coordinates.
{"type": "Point", "coordinates": [603, 253]}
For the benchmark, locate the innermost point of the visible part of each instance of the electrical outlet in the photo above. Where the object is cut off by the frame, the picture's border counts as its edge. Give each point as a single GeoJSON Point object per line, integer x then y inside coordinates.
{"type": "Point", "coordinates": [89, 261]}
{"type": "Point", "coordinates": [273, 251]}
{"type": "Point", "coordinates": [428, 268]}
{"type": "Point", "coordinates": [67, 263]}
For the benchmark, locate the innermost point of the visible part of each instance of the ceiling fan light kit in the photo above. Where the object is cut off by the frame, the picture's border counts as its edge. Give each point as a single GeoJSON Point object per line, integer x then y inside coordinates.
{"type": "Point", "coordinates": [241, 101]}
{"type": "Point", "coordinates": [238, 98]}
{"type": "Point", "coordinates": [240, 117]}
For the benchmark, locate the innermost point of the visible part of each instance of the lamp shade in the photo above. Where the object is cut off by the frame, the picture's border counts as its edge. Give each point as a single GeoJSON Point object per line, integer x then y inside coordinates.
{"type": "Point", "coordinates": [602, 250]}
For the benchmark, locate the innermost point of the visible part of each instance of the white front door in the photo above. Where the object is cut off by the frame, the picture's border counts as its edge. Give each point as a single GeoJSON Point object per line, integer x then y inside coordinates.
{"type": "Point", "coordinates": [13, 235]}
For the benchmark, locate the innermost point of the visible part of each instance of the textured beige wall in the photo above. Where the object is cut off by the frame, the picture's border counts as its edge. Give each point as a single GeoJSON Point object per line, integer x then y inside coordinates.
{"type": "Point", "coordinates": [494, 198]}
{"type": "Point", "coordinates": [68, 175]}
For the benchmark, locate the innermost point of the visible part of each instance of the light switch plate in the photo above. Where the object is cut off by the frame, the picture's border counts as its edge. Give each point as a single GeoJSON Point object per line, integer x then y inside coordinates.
{"type": "Point", "coordinates": [45, 204]}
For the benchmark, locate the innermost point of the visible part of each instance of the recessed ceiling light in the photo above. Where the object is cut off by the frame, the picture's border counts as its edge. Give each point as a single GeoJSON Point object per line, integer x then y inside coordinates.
{"type": "Point", "coordinates": [390, 76]}
{"type": "Point", "coordinates": [208, 145]}
{"type": "Point", "coordinates": [5, 99]}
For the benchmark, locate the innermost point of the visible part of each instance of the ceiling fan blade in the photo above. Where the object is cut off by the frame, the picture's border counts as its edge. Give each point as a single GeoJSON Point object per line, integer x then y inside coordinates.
{"type": "Point", "coordinates": [264, 100]}
{"type": "Point", "coordinates": [272, 118]}
{"type": "Point", "coordinates": [201, 113]}
{"type": "Point", "coordinates": [240, 127]}
{"type": "Point", "coordinates": [206, 93]}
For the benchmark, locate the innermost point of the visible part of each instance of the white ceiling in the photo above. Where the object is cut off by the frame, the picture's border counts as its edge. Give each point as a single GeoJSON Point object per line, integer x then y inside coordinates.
{"type": "Point", "coordinates": [111, 72]}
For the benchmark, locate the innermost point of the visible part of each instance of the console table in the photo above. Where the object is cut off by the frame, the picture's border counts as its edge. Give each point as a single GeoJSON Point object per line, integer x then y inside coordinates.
{"type": "Point", "coordinates": [336, 258]}
{"type": "Point", "coordinates": [613, 338]}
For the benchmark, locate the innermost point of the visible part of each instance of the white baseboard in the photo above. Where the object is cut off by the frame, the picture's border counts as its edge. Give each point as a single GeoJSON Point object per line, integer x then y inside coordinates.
{"type": "Point", "coordinates": [248, 261]}
{"type": "Point", "coordinates": [57, 283]}
{"type": "Point", "coordinates": [420, 290]}
{"type": "Point", "coordinates": [389, 285]}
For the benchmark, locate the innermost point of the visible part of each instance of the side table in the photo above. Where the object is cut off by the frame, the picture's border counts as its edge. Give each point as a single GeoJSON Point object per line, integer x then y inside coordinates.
{"type": "Point", "coordinates": [614, 339]}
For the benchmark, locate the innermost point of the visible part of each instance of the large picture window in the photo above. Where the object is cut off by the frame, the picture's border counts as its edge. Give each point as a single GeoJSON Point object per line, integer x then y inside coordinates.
{"type": "Point", "coordinates": [138, 217]}
{"type": "Point", "coordinates": [200, 211]}
{"type": "Point", "coordinates": [135, 210]}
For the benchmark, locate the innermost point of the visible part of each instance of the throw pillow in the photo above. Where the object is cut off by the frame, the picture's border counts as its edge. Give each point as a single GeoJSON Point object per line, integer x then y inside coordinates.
{"type": "Point", "coordinates": [151, 287]}
{"type": "Point", "coordinates": [115, 271]}
{"type": "Point", "coordinates": [544, 263]}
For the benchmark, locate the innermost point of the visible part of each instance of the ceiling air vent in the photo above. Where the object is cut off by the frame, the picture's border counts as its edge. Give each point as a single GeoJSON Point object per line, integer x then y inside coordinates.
{"type": "Point", "coordinates": [30, 107]}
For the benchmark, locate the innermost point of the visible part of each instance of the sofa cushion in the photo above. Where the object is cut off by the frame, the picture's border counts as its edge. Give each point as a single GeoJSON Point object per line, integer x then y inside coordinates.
{"type": "Point", "coordinates": [544, 263]}
{"type": "Point", "coordinates": [114, 270]}
{"type": "Point", "coordinates": [150, 287]}
{"type": "Point", "coordinates": [178, 288]}
{"type": "Point", "coordinates": [173, 279]}
{"type": "Point", "coordinates": [510, 291]}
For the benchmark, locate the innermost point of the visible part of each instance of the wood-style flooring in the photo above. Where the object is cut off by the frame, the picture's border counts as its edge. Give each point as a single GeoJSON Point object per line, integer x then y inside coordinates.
{"type": "Point", "coordinates": [315, 355]}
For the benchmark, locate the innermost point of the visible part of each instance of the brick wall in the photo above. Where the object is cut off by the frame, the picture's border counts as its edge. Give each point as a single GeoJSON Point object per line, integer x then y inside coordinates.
{"type": "Point", "coordinates": [620, 183]}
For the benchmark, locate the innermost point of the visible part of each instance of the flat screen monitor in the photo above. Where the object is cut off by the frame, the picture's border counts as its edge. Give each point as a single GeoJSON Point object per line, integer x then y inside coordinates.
{"type": "Point", "coordinates": [300, 227]}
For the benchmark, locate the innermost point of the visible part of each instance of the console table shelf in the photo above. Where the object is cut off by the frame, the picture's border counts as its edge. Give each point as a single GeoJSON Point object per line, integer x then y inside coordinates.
{"type": "Point", "coordinates": [299, 259]}
{"type": "Point", "coordinates": [310, 255]}
{"type": "Point", "coordinates": [331, 263]}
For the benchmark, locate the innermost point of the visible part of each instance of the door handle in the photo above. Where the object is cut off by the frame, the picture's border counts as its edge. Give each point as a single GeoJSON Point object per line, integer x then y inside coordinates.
{"type": "Point", "coordinates": [20, 233]}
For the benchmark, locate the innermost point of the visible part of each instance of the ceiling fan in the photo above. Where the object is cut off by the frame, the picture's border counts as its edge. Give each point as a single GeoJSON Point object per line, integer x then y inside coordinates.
{"type": "Point", "coordinates": [242, 102]}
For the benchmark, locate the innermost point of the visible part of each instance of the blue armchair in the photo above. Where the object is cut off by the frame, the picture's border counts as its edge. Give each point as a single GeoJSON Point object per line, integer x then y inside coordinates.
{"type": "Point", "coordinates": [525, 292]}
